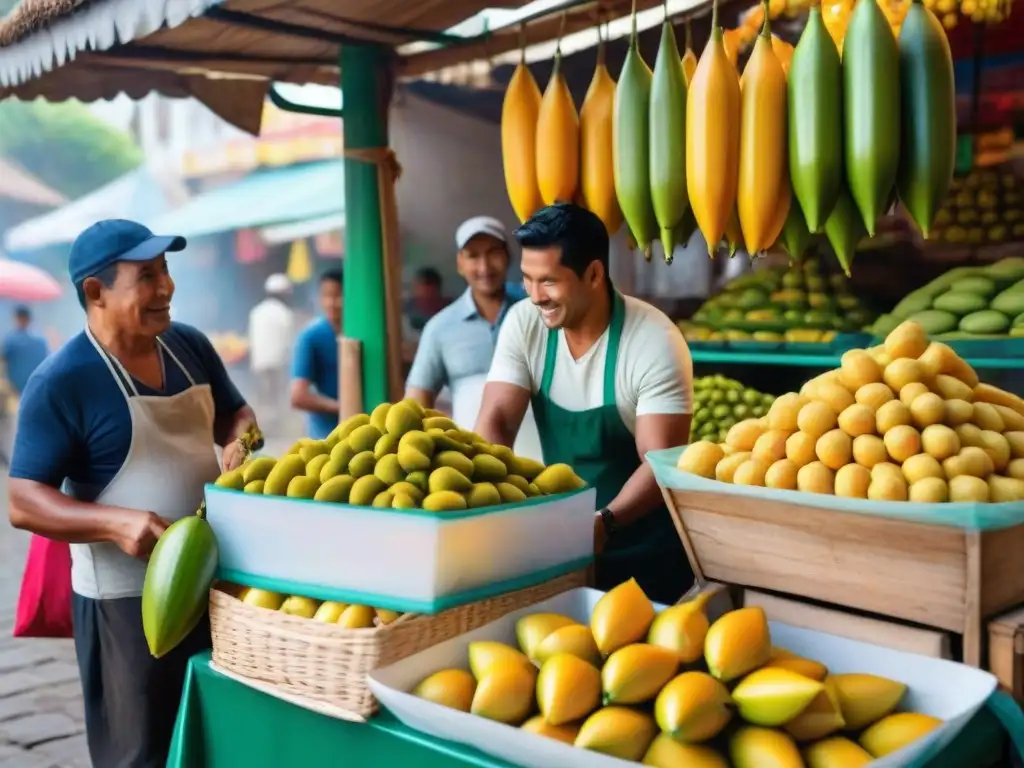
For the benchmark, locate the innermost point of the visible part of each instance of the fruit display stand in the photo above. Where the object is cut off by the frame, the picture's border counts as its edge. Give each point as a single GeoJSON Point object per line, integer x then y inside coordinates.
{"type": "Point", "coordinates": [863, 557]}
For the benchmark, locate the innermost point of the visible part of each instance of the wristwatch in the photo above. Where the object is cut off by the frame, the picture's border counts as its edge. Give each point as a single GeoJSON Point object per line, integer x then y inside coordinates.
{"type": "Point", "coordinates": [608, 521]}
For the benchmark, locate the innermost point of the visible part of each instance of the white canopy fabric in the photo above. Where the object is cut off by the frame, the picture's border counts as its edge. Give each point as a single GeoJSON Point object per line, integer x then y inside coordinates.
{"type": "Point", "coordinates": [94, 27]}
{"type": "Point", "coordinates": [296, 230]}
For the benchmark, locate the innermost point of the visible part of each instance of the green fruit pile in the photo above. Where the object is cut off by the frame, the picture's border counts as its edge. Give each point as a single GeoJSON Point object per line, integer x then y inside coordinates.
{"type": "Point", "coordinates": [983, 207]}
{"type": "Point", "coordinates": [402, 456]}
{"type": "Point", "coordinates": [778, 299]}
{"type": "Point", "coordinates": [720, 402]}
{"type": "Point", "coordinates": [967, 301]}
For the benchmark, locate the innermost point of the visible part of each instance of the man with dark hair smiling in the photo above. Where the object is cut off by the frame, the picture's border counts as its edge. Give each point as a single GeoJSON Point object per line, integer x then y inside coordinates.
{"type": "Point", "coordinates": [610, 378]}
{"type": "Point", "coordinates": [124, 417]}
{"type": "Point", "coordinates": [315, 367]}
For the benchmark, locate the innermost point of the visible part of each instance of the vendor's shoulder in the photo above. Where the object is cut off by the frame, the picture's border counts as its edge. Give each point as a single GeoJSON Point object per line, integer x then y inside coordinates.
{"type": "Point", "coordinates": [69, 369]}
{"type": "Point", "coordinates": [640, 313]}
{"type": "Point", "coordinates": [189, 334]}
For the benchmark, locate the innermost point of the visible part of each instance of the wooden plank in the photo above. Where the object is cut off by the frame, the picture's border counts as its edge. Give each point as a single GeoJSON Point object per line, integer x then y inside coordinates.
{"type": "Point", "coordinates": [1002, 570]}
{"type": "Point", "coordinates": [925, 642]}
{"type": "Point", "coordinates": [350, 374]}
{"type": "Point", "coordinates": [890, 567]}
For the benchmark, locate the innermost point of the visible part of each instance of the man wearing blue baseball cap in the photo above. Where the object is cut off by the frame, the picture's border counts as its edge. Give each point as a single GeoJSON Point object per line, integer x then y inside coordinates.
{"type": "Point", "coordinates": [115, 441]}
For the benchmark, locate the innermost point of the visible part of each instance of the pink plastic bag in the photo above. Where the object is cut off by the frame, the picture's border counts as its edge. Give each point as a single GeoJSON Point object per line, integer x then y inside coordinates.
{"type": "Point", "coordinates": [44, 605]}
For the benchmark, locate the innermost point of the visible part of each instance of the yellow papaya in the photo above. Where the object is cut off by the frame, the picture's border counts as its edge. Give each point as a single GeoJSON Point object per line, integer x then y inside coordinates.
{"type": "Point", "coordinates": [519, 141]}
{"type": "Point", "coordinates": [763, 168]}
{"type": "Point", "coordinates": [558, 140]}
{"type": "Point", "coordinates": [597, 173]}
{"type": "Point", "coordinates": [713, 137]}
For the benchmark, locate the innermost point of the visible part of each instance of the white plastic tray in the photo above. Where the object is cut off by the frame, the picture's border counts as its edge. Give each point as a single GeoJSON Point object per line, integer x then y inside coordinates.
{"type": "Point", "coordinates": [950, 691]}
{"type": "Point", "coordinates": [406, 560]}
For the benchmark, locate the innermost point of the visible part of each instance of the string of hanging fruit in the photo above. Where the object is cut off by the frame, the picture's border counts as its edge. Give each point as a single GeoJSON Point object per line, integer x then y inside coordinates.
{"type": "Point", "coordinates": [811, 141]}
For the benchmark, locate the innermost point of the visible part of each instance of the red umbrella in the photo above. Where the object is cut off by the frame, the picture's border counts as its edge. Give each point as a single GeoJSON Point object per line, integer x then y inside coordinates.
{"type": "Point", "coordinates": [23, 282]}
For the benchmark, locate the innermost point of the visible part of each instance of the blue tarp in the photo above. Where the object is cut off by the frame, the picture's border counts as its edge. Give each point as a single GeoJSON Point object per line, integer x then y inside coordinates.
{"type": "Point", "coordinates": [275, 196]}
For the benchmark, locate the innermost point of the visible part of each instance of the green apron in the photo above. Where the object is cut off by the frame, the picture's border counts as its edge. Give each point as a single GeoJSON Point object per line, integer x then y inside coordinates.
{"type": "Point", "coordinates": [599, 446]}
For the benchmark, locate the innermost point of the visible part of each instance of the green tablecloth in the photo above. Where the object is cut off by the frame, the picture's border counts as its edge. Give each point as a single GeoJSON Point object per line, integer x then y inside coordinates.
{"type": "Point", "coordinates": [223, 724]}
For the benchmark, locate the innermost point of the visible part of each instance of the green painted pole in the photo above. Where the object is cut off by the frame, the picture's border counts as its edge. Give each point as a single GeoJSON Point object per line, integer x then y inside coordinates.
{"type": "Point", "coordinates": [364, 314]}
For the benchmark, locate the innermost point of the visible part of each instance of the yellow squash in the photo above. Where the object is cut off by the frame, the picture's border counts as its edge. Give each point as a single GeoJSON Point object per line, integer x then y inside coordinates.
{"type": "Point", "coordinates": [713, 137]}
{"type": "Point", "coordinates": [597, 173]}
{"type": "Point", "coordinates": [764, 169]}
{"type": "Point", "coordinates": [518, 141]}
{"type": "Point", "coordinates": [558, 140]}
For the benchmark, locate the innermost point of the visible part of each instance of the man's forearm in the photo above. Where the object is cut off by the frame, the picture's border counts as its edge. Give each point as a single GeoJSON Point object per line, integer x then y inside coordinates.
{"type": "Point", "coordinates": [638, 496]}
{"type": "Point", "coordinates": [43, 510]}
{"type": "Point", "coordinates": [424, 397]}
{"type": "Point", "coordinates": [492, 428]}
{"type": "Point", "coordinates": [313, 402]}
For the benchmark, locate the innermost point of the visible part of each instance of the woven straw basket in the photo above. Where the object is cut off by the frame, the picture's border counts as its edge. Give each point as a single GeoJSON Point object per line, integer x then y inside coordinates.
{"type": "Point", "coordinates": [328, 664]}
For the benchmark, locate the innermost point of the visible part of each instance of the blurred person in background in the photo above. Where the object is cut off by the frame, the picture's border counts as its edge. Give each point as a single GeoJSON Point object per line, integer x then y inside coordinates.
{"type": "Point", "coordinates": [115, 441]}
{"type": "Point", "coordinates": [271, 332]}
{"type": "Point", "coordinates": [426, 298]}
{"type": "Point", "coordinates": [22, 350]}
{"type": "Point", "coordinates": [315, 365]}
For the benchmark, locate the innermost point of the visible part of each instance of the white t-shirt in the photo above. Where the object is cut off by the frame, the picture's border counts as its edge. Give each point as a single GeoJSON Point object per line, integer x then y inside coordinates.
{"type": "Point", "coordinates": [653, 373]}
{"type": "Point", "coordinates": [271, 333]}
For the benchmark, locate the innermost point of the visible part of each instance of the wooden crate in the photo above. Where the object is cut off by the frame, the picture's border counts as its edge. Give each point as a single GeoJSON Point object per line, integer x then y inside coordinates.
{"type": "Point", "coordinates": [1006, 652]}
{"type": "Point", "coordinates": [938, 576]}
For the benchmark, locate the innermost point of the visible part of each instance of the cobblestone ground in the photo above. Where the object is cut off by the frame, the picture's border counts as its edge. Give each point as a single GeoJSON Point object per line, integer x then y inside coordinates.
{"type": "Point", "coordinates": [41, 719]}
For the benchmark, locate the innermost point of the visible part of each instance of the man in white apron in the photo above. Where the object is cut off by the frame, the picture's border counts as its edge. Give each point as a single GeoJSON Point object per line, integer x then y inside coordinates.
{"type": "Point", "coordinates": [124, 419]}
{"type": "Point", "coordinates": [457, 343]}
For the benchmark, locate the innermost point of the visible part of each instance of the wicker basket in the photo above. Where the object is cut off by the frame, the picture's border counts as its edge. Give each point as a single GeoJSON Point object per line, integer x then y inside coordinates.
{"type": "Point", "coordinates": [326, 663]}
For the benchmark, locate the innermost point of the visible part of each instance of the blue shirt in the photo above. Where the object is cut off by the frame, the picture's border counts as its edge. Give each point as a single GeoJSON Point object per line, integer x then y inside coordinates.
{"type": "Point", "coordinates": [456, 342]}
{"type": "Point", "coordinates": [316, 361]}
{"type": "Point", "coordinates": [22, 351]}
{"type": "Point", "coordinates": [73, 421]}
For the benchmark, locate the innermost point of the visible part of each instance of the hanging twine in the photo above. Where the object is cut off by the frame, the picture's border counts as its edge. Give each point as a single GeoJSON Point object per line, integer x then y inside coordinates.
{"type": "Point", "coordinates": [388, 172]}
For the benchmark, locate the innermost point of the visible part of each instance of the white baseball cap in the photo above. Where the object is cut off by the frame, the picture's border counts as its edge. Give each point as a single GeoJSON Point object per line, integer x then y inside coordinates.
{"type": "Point", "coordinates": [277, 283]}
{"type": "Point", "coordinates": [479, 225]}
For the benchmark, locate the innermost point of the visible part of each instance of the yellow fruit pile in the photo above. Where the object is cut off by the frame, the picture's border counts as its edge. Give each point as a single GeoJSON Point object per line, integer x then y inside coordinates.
{"type": "Point", "coordinates": [905, 421]}
{"type": "Point", "coordinates": [350, 616]}
{"type": "Point", "coordinates": [630, 685]}
{"type": "Point", "coordinates": [402, 456]}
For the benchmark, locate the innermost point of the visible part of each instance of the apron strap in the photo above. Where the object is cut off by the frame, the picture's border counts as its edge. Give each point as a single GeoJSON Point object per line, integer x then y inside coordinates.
{"type": "Point", "coordinates": [550, 356]}
{"type": "Point", "coordinates": [121, 376]}
{"type": "Point", "coordinates": [184, 370]}
{"type": "Point", "coordinates": [612, 355]}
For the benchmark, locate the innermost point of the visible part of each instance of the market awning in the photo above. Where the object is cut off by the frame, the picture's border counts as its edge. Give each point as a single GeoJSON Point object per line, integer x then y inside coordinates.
{"type": "Point", "coordinates": [286, 233]}
{"type": "Point", "coordinates": [291, 194]}
{"type": "Point", "coordinates": [139, 195]}
{"type": "Point", "coordinates": [16, 184]}
{"type": "Point", "coordinates": [226, 53]}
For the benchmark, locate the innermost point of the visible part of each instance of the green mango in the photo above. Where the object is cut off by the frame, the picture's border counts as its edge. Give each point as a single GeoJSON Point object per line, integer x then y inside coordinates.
{"type": "Point", "coordinates": [631, 147]}
{"type": "Point", "coordinates": [871, 111]}
{"type": "Point", "coordinates": [176, 590]}
{"type": "Point", "coordinates": [667, 144]}
{"type": "Point", "coordinates": [815, 122]}
{"type": "Point", "coordinates": [928, 151]}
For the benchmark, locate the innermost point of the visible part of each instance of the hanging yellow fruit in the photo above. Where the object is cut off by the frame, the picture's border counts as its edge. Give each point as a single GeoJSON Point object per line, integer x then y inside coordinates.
{"type": "Point", "coordinates": [763, 166]}
{"type": "Point", "coordinates": [519, 140]}
{"type": "Point", "coordinates": [597, 174]}
{"type": "Point", "coordinates": [558, 140]}
{"type": "Point", "coordinates": [713, 137]}
{"type": "Point", "coordinates": [300, 268]}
